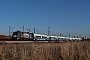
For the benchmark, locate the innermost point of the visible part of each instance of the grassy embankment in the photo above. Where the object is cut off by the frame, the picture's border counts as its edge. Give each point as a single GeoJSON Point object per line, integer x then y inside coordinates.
{"type": "Point", "coordinates": [45, 51]}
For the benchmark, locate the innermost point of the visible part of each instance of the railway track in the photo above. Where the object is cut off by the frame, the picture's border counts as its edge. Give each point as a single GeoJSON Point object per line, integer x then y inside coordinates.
{"type": "Point", "coordinates": [33, 41]}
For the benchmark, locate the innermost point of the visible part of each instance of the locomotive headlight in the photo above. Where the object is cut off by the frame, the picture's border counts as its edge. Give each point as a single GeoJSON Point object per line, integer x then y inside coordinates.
{"type": "Point", "coordinates": [14, 36]}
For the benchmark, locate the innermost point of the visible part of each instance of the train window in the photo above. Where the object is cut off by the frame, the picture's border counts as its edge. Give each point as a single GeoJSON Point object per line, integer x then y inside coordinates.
{"type": "Point", "coordinates": [15, 33]}
{"type": "Point", "coordinates": [38, 37]}
{"type": "Point", "coordinates": [62, 38]}
{"type": "Point", "coordinates": [44, 37]}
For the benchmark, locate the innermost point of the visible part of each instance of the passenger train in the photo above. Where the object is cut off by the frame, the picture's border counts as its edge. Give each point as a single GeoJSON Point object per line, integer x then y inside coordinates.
{"type": "Point", "coordinates": [18, 35]}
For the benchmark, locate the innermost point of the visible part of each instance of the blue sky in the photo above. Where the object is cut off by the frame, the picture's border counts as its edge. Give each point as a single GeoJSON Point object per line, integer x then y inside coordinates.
{"type": "Point", "coordinates": [63, 16]}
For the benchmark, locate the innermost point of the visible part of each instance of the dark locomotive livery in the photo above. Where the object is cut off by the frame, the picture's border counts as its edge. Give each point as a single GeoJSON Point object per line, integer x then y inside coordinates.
{"type": "Point", "coordinates": [18, 35]}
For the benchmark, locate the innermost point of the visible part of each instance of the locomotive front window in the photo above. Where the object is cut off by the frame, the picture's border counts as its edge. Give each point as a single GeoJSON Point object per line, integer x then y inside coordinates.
{"type": "Point", "coordinates": [15, 33]}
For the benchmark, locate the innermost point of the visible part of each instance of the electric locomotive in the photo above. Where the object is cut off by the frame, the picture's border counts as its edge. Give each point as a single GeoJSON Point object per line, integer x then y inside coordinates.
{"type": "Point", "coordinates": [18, 35]}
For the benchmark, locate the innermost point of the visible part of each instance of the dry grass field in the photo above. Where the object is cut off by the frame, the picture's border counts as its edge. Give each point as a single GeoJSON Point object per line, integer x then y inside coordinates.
{"type": "Point", "coordinates": [45, 50]}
